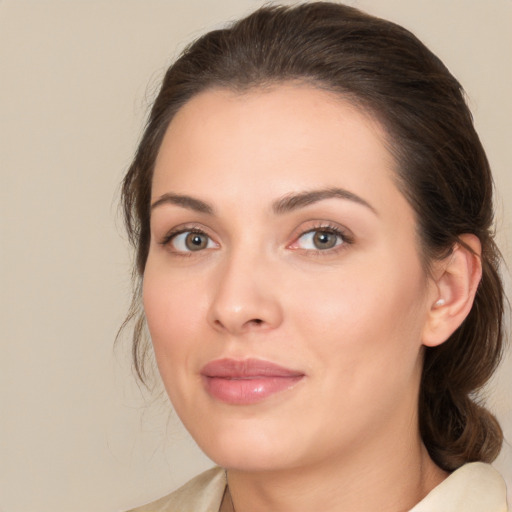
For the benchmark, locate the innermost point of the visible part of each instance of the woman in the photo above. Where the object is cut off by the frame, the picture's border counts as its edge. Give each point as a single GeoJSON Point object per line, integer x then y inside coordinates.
{"type": "Point", "coordinates": [312, 214]}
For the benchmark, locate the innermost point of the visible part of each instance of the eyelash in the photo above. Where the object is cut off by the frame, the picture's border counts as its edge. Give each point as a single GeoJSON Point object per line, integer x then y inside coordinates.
{"type": "Point", "coordinates": [345, 238]}
{"type": "Point", "coordinates": [169, 237]}
{"type": "Point", "coordinates": [175, 232]}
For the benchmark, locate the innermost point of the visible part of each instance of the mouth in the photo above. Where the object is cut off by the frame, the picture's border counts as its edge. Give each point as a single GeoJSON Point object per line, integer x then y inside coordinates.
{"type": "Point", "coordinates": [249, 381]}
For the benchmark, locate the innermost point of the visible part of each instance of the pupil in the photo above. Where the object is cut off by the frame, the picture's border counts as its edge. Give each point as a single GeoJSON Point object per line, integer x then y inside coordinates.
{"type": "Point", "coordinates": [324, 240]}
{"type": "Point", "coordinates": [195, 241]}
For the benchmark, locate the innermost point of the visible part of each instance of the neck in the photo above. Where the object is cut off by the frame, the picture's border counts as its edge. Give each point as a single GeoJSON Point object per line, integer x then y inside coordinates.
{"type": "Point", "coordinates": [392, 479]}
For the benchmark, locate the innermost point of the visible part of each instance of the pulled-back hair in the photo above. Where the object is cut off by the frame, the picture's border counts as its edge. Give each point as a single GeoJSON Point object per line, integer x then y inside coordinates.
{"type": "Point", "coordinates": [442, 170]}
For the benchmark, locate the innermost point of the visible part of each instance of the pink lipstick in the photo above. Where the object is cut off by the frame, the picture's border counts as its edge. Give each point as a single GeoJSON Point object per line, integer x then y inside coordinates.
{"type": "Point", "coordinates": [248, 381]}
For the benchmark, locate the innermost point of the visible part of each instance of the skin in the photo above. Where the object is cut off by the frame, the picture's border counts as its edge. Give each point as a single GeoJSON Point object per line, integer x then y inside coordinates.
{"type": "Point", "coordinates": [351, 318]}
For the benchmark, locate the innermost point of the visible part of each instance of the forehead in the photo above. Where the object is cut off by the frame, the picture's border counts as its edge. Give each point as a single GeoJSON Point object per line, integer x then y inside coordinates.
{"type": "Point", "coordinates": [282, 131]}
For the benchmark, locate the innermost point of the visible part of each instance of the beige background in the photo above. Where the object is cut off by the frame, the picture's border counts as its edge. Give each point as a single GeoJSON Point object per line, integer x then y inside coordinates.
{"type": "Point", "coordinates": [76, 78]}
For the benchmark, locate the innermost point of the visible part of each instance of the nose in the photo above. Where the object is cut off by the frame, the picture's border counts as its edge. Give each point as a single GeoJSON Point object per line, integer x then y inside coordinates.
{"type": "Point", "coordinates": [245, 298]}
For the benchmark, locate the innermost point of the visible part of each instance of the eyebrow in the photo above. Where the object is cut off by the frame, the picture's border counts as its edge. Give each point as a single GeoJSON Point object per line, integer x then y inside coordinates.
{"type": "Point", "coordinates": [295, 201]}
{"type": "Point", "coordinates": [184, 201]}
{"type": "Point", "coordinates": [288, 203]}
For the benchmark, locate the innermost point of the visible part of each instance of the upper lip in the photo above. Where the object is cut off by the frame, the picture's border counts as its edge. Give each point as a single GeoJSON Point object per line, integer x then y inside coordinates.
{"type": "Point", "coordinates": [246, 368]}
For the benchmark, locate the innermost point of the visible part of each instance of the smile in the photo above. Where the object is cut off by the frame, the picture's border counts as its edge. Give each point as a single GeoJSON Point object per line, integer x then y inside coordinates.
{"type": "Point", "coordinates": [246, 382]}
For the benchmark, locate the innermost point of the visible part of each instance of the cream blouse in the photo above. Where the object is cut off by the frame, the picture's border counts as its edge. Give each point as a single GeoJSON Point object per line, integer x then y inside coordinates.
{"type": "Point", "coordinates": [475, 487]}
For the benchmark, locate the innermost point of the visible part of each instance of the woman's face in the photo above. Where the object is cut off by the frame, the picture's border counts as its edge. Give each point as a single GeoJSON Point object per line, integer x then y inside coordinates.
{"type": "Point", "coordinates": [283, 290]}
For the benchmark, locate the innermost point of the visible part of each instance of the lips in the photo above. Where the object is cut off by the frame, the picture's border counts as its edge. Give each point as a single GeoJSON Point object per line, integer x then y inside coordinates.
{"type": "Point", "coordinates": [244, 382]}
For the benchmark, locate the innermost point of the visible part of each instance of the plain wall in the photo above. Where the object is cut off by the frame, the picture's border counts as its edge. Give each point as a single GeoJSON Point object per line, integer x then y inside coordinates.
{"type": "Point", "coordinates": [76, 77]}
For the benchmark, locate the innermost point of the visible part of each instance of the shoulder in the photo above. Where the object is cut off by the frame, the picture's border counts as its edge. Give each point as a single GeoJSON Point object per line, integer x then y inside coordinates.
{"type": "Point", "coordinates": [474, 487]}
{"type": "Point", "coordinates": [201, 494]}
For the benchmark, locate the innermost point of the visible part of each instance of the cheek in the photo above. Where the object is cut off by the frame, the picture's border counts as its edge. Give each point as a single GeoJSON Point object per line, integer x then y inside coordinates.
{"type": "Point", "coordinates": [364, 334]}
{"type": "Point", "coordinates": [173, 309]}
{"type": "Point", "coordinates": [365, 315]}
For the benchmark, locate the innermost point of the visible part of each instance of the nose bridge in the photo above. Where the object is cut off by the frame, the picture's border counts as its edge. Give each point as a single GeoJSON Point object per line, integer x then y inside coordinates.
{"type": "Point", "coordinates": [245, 297]}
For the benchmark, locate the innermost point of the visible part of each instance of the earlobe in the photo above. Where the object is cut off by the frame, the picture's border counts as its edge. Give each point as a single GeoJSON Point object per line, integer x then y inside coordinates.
{"type": "Point", "coordinates": [455, 283]}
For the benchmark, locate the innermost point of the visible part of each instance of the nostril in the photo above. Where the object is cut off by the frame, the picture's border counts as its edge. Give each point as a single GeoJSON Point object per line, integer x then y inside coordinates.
{"type": "Point", "coordinates": [254, 321]}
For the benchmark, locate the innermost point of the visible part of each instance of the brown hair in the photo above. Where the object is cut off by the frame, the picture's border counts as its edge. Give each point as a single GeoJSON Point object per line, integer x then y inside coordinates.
{"type": "Point", "coordinates": [442, 170]}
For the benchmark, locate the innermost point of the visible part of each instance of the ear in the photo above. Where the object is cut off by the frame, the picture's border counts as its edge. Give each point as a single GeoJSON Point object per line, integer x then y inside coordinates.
{"type": "Point", "coordinates": [455, 282]}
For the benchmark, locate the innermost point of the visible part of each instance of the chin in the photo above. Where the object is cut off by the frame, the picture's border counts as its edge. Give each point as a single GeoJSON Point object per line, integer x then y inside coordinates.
{"type": "Point", "coordinates": [248, 447]}
{"type": "Point", "coordinates": [249, 459]}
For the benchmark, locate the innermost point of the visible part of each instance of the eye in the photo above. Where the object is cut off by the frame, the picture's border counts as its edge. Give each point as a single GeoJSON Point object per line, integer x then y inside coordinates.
{"type": "Point", "coordinates": [320, 239]}
{"type": "Point", "coordinates": [191, 240]}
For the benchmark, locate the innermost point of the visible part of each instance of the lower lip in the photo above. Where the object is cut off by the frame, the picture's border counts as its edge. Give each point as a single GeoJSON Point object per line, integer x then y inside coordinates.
{"type": "Point", "coordinates": [246, 391]}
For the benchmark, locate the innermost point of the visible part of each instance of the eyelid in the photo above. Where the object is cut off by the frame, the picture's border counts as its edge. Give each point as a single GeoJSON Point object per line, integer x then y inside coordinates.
{"type": "Point", "coordinates": [345, 234]}
{"type": "Point", "coordinates": [170, 235]}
